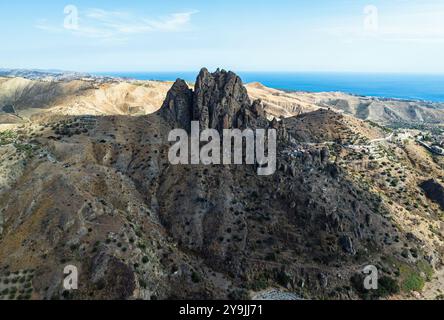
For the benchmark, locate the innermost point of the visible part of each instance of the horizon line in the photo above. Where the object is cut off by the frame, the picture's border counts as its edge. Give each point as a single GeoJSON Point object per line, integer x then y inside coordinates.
{"type": "Point", "coordinates": [272, 71]}
{"type": "Point", "coordinates": [440, 73]}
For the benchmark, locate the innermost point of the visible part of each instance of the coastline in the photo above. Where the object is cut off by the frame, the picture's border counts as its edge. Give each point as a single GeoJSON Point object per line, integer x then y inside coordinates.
{"type": "Point", "coordinates": [418, 88]}
{"type": "Point", "coordinates": [406, 88]}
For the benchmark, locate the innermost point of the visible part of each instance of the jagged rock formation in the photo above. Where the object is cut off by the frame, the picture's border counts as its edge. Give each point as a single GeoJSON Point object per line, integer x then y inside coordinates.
{"type": "Point", "coordinates": [176, 106]}
{"type": "Point", "coordinates": [219, 101]}
{"type": "Point", "coordinates": [100, 193]}
{"type": "Point", "coordinates": [281, 128]}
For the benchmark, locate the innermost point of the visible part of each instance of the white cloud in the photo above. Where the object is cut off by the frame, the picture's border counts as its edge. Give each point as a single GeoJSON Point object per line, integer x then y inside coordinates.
{"type": "Point", "coordinates": [118, 25]}
{"type": "Point", "coordinates": [101, 14]}
{"type": "Point", "coordinates": [173, 22]}
{"type": "Point", "coordinates": [43, 24]}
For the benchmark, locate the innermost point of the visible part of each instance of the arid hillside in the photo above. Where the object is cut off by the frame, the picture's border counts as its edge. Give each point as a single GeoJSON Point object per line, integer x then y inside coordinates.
{"type": "Point", "coordinates": [80, 97]}
{"type": "Point", "coordinates": [91, 96]}
{"type": "Point", "coordinates": [85, 180]}
{"type": "Point", "coordinates": [382, 111]}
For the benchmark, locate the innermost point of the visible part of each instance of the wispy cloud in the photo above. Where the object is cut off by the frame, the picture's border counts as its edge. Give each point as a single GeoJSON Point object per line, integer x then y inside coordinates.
{"type": "Point", "coordinates": [119, 25]}
{"type": "Point", "coordinates": [422, 25]}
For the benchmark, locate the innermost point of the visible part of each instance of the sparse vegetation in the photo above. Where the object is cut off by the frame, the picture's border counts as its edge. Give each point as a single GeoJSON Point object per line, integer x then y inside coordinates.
{"type": "Point", "coordinates": [387, 286]}
{"type": "Point", "coordinates": [216, 225]}
{"type": "Point", "coordinates": [7, 137]}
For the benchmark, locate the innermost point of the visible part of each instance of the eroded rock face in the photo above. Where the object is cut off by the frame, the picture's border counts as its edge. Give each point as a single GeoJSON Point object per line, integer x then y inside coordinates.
{"type": "Point", "coordinates": [434, 191]}
{"type": "Point", "coordinates": [176, 106]}
{"type": "Point", "coordinates": [346, 243]}
{"type": "Point", "coordinates": [281, 129]}
{"type": "Point", "coordinates": [219, 101]}
{"type": "Point", "coordinates": [111, 278]}
{"type": "Point", "coordinates": [218, 98]}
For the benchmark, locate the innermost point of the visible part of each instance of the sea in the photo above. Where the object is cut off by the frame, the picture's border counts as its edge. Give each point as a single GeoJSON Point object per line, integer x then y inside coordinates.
{"type": "Point", "coordinates": [425, 87]}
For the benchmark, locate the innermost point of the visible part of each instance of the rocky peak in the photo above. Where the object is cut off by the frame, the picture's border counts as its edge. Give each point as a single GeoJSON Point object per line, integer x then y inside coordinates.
{"type": "Point", "coordinates": [219, 101]}
{"type": "Point", "coordinates": [177, 105]}
{"type": "Point", "coordinates": [219, 97]}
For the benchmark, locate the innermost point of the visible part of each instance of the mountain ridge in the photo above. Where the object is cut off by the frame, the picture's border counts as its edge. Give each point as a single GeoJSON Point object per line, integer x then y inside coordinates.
{"type": "Point", "coordinates": [98, 192]}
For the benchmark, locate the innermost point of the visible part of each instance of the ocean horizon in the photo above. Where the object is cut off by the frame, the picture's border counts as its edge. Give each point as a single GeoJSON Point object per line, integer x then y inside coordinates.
{"type": "Point", "coordinates": [424, 87]}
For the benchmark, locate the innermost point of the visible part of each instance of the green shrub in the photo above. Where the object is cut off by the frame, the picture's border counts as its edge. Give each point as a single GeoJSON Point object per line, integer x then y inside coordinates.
{"type": "Point", "coordinates": [425, 267]}
{"type": "Point", "coordinates": [195, 277]}
{"type": "Point", "coordinates": [387, 286]}
{"type": "Point", "coordinates": [413, 282]}
{"type": "Point", "coordinates": [7, 137]}
{"type": "Point", "coordinates": [142, 283]}
{"type": "Point", "coordinates": [282, 278]}
{"type": "Point", "coordinates": [239, 295]}
{"type": "Point", "coordinates": [259, 283]}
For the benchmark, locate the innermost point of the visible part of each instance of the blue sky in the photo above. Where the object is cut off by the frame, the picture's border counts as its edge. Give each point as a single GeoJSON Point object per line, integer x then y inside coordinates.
{"type": "Point", "coordinates": [242, 35]}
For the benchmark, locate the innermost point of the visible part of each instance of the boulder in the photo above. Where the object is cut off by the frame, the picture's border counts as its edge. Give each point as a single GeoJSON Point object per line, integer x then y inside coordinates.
{"type": "Point", "coordinates": [346, 243]}
{"type": "Point", "coordinates": [325, 155]}
{"type": "Point", "coordinates": [323, 280]}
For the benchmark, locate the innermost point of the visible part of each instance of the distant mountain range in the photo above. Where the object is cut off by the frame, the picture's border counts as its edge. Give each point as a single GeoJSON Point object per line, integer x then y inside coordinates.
{"type": "Point", "coordinates": [277, 103]}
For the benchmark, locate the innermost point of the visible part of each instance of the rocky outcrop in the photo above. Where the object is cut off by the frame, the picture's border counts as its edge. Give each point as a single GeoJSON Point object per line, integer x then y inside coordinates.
{"type": "Point", "coordinates": [115, 279]}
{"type": "Point", "coordinates": [346, 243]}
{"type": "Point", "coordinates": [281, 129]}
{"type": "Point", "coordinates": [434, 191]}
{"type": "Point", "coordinates": [293, 161]}
{"type": "Point", "coordinates": [325, 155]}
{"type": "Point", "coordinates": [176, 106]}
{"type": "Point", "coordinates": [219, 101]}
